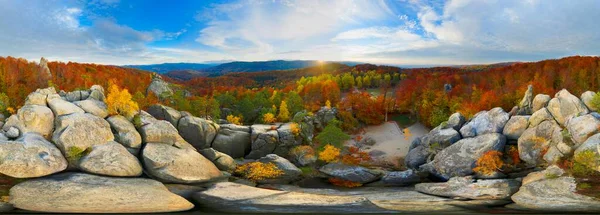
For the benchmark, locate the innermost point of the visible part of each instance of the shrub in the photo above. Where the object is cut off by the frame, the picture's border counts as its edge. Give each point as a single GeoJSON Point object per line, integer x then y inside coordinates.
{"type": "Point", "coordinates": [257, 171]}
{"type": "Point", "coordinates": [489, 163]}
{"type": "Point", "coordinates": [234, 119]}
{"type": "Point", "coordinates": [120, 102]}
{"type": "Point", "coordinates": [329, 154]}
{"type": "Point", "coordinates": [355, 156]}
{"type": "Point", "coordinates": [344, 183]}
{"type": "Point", "coordinates": [349, 123]}
{"type": "Point", "coordinates": [595, 102]}
{"type": "Point", "coordinates": [295, 128]}
{"type": "Point", "coordinates": [284, 114]}
{"type": "Point", "coordinates": [584, 163]}
{"type": "Point", "coordinates": [328, 104]}
{"type": "Point", "coordinates": [268, 118]}
{"type": "Point", "coordinates": [332, 134]}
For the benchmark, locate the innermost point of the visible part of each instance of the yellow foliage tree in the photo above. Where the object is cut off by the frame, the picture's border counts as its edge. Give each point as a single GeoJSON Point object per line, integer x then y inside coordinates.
{"type": "Point", "coordinates": [329, 154]}
{"type": "Point", "coordinates": [284, 113]}
{"type": "Point", "coordinates": [328, 104]}
{"type": "Point", "coordinates": [234, 119]}
{"type": "Point", "coordinates": [120, 102]}
{"type": "Point", "coordinates": [268, 118]}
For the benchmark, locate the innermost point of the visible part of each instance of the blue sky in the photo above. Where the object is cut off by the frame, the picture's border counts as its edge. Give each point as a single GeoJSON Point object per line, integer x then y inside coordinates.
{"type": "Point", "coordinates": [397, 32]}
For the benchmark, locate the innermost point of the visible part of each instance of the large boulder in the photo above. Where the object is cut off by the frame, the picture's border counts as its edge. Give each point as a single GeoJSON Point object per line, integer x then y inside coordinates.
{"type": "Point", "coordinates": [455, 121]}
{"type": "Point", "coordinates": [177, 165]}
{"type": "Point", "coordinates": [290, 172]}
{"type": "Point", "coordinates": [460, 158]}
{"type": "Point", "coordinates": [197, 131]}
{"type": "Point", "coordinates": [540, 101]}
{"type": "Point", "coordinates": [161, 131]}
{"type": "Point", "coordinates": [233, 140]}
{"type": "Point", "coordinates": [162, 112]}
{"type": "Point", "coordinates": [80, 131]}
{"type": "Point", "coordinates": [32, 118]}
{"type": "Point", "coordinates": [469, 188]}
{"type": "Point", "coordinates": [223, 161]}
{"type": "Point", "coordinates": [324, 116]}
{"type": "Point", "coordinates": [287, 140]}
{"type": "Point", "coordinates": [61, 107]}
{"type": "Point", "coordinates": [440, 137]}
{"type": "Point", "coordinates": [582, 127]}
{"type": "Point", "coordinates": [540, 116]}
{"type": "Point", "coordinates": [39, 96]}
{"type": "Point", "coordinates": [526, 104]}
{"type": "Point", "coordinates": [97, 93]}
{"type": "Point", "coordinates": [401, 178]}
{"type": "Point", "coordinates": [565, 105]}
{"type": "Point", "coordinates": [159, 87]}
{"type": "Point", "coordinates": [586, 98]}
{"type": "Point", "coordinates": [264, 141]}
{"type": "Point", "coordinates": [537, 139]}
{"type": "Point", "coordinates": [553, 192]}
{"type": "Point", "coordinates": [84, 193]}
{"type": "Point", "coordinates": [77, 95]}
{"type": "Point", "coordinates": [515, 127]}
{"type": "Point", "coordinates": [92, 106]}
{"type": "Point", "coordinates": [237, 198]}
{"type": "Point", "coordinates": [30, 156]}
{"type": "Point", "coordinates": [350, 173]}
{"type": "Point", "coordinates": [125, 133]}
{"type": "Point", "coordinates": [417, 157]}
{"type": "Point", "coordinates": [111, 159]}
{"type": "Point", "coordinates": [485, 122]}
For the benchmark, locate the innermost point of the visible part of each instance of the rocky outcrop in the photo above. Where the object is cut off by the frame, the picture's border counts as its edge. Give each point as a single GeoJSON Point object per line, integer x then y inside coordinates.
{"type": "Point", "coordinates": [485, 122]}
{"type": "Point", "coordinates": [459, 159]}
{"type": "Point", "coordinates": [61, 107]}
{"type": "Point", "coordinates": [92, 106]}
{"type": "Point", "coordinates": [264, 141]}
{"type": "Point", "coordinates": [32, 118]}
{"type": "Point", "coordinates": [582, 127]}
{"type": "Point", "coordinates": [159, 87]}
{"type": "Point", "coordinates": [80, 131]}
{"type": "Point", "coordinates": [83, 193]}
{"type": "Point", "coordinates": [540, 101]}
{"type": "Point", "coordinates": [515, 127]}
{"type": "Point", "coordinates": [160, 131]}
{"type": "Point", "coordinates": [290, 172]}
{"type": "Point", "coordinates": [221, 160]}
{"type": "Point", "coordinates": [565, 105]}
{"type": "Point", "coordinates": [417, 157]}
{"type": "Point", "coordinates": [198, 132]}
{"type": "Point", "coordinates": [540, 116]}
{"type": "Point", "coordinates": [586, 98]}
{"type": "Point", "coordinates": [162, 112]}
{"type": "Point", "coordinates": [177, 165]}
{"type": "Point", "coordinates": [287, 140]}
{"type": "Point", "coordinates": [536, 139]}
{"type": "Point", "coordinates": [125, 133]}
{"type": "Point", "coordinates": [526, 104]}
{"type": "Point", "coordinates": [469, 188]}
{"type": "Point", "coordinates": [323, 117]}
{"type": "Point", "coordinates": [30, 156]}
{"type": "Point", "coordinates": [233, 140]}
{"type": "Point", "coordinates": [350, 173]}
{"type": "Point", "coordinates": [111, 159]}
{"type": "Point", "coordinates": [455, 121]}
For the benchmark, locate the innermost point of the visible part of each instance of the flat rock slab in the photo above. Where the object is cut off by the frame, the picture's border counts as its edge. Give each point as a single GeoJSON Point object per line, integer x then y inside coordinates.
{"type": "Point", "coordinates": [237, 198]}
{"type": "Point", "coordinates": [84, 193]}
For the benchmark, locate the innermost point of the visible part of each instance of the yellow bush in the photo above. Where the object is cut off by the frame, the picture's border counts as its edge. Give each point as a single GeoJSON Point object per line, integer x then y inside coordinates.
{"type": "Point", "coordinates": [120, 102]}
{"type": "Point", "coordinates": [234, 119]}
{"type": "Point", "coordinates": [257, 171]}
{"type": "Point", "coordinates": [284, 113]}
{"type": "Point", "coordinates": [268, 118]}
{"type": "Point", "coordinates": [295, 129]}
{"type": "Point", "coordinates": [328, 104]}
{"type": "Point", "coordinates": [329, 154]}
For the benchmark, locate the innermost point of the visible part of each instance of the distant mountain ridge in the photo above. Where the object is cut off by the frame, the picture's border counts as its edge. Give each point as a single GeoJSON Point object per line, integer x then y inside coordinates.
{"type": "Point", "coordinates": [167, 67]}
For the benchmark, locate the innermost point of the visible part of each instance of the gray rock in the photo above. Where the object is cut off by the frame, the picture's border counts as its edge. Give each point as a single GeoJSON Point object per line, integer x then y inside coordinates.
{"type": "Point", "coordinates": [39, 96]}
{"type": "Point", "coordinates": [303, 156]}
{"type": "Point", "coordinates": [460, 158]}
{"type": "Point", "coordinates": [125, 133]}
{"type": "Point", "coordinates": [30, 156]}
{"type": "Point", "coordinates": [565, 105]}
{"type": "Point", "coordinates": [586, 98]}
{"type": "Point", "coordinates": [416, 157]}
{"type": "Point", "coordinates": [162, 112]}
{"type": "Point", "coordinates": [350, 173]}
{"type": "Point", "coordinates": [83, 193]}
{"type": "Point", "coordinates": [591, 144]}
{"type": "Point", "coordinates": [264, 141]}
{"type": "Point", "coordinates": [233, 140]}
{"type": "Point", "coordinates": [197, 131]}
{"type": "Point", "coordinates": [237, 198]}
{"type": "Point", "coordinates": [177, 165]}
{"type": "Point", "coordinates": [582, 127]}
{"type": "Point", "coordinates": [161, 131]}
{"type": "Point", "coordinates": [485, 122]}
{"type": "Point", "coordinates": [540, 116]}
{"type": "Point", "coordinates": [290, 172]}
{"type": "Point", "coordinates": [554, 194]}
{"type": "Point", "coordinates": [324, 116]}
{"type": "Point", "coordinates": [469, 188]}
{"type": "Point", "coordinates": [287, 140]}
{"type": "Point", "coordinates": [367, 141]}
{"type": "Point", "coordinates": [6, 207]}
{"type": "Point", "coordinates": [80, 131]}
{"type": "Point", "coordinates": [515, 127]}
{"type": "Point", "coordinates": [110, 159]}
{"type": "Point", "coordinates": [92, 106]}
{"type": "Point", "coordinates": [32, 118]}
{"type": "Point", "coordinates": [456, 121]}
{"type": "Point", "coordinates": [61, 107]}
{"type": "Point", "coordinates": [223, 161]}
{"type": "Point", "coordinates": [526, 104]}
{"type": "Point", "coordinates": [12, 132]}
{"type": "Point", "coordinates": [184, 190]}
{"type": "Point", "coordinates": [534, 140]}
{"type": "Point", "coordinates": [440, 137]}
{"type": "Point", "coordinates": [553, 155]}
{"type": "Point", "coordinates": [97, 93]}
{"type": "Point", "coordinates": [159, 87]}
{"type": "Point", "coordinates": [540, 101]}
{"type": "Point", "coordinates": [401, 178]}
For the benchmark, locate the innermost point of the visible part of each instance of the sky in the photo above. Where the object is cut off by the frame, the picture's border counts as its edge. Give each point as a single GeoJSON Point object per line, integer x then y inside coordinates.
{"type": "Point", "coordinates": [393, 32]}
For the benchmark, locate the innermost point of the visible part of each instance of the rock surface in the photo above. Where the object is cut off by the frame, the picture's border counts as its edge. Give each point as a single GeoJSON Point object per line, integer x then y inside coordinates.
{"type": "Point", "coordinates": [290, 172]}
{"type": "Point", "coordinates": [586, 98]}
{"type": "Point", "coordinates": [125, 133]}
{"type": "Point", "coordinates": [30, 156]}
{"type": "Point", "coordinates": [526, 104]}
{"type": "Point", "coordinates": [167, 113]}
{"type": "Point", "coordinates": [535, 140]}
{"type": "Point", "coordinates": [485, 122]}
{"type": "Point", "coordinates": [223, 161]}
{"type": "Point", "coordinates": [459, 159]}
{"type": "Point", "coordinates": [80, 131]}
{"type": "Point", "coordinates": [540, 101]}
{"type": "Point", "coordinates": [111, 159]}
{"type": "Point", "coordinates": [161, 131]}
{"type": "Point", "coordinates": [401, 178]}
{"type": "Point", "coordinates": [350, 173]}
{"type": "Point", "coordinates": [469, 188]}
{"type": "Point", "coordinates": [198, 132]}
{"type": "Point", "coordinates": [515, 127]}
{"type": "Point", "coordinates": [92, 106]}
{"type": "Point", "coordinates": [159, 87]}
{"type": "Point", "coordinates": [32, 118]}
{"type": "Point", "coordinates": [582, 127]}
{"type": "Point", "coordinates": [233, 140]}
{"type": "Point", "coordinates": [565, 105]}
{"type": "Point", "coordinates": [83, 193]}
{"type": "Point", "coordinates": [264, 141]}
{"type": "Point", "coordinates": [540, 116]}
{"type": "Point", "coordinates": [554, 194]}
{"type": "Point", "coordinates": [61, 107]}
